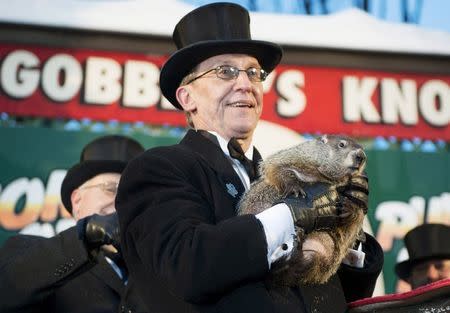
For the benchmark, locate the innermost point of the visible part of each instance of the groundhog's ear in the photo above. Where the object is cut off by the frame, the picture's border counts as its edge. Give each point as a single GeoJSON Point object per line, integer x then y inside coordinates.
{"type": "Point", "coordinates": [324, 138]}
{"type": "Point", "coordinates": [303, 177]}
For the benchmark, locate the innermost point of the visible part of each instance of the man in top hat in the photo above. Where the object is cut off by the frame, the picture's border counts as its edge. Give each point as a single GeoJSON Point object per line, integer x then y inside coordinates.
{"type": "Point", "coordinates": [78, 270]}
{"type": "Point", "coordinates": [429, 255]}
{"type": "Point", "coordinates": [181, 238]}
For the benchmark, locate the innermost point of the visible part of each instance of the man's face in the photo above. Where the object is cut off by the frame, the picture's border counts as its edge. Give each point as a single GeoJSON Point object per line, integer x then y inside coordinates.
{"type": "Point", "coordinates": [429, 271]}
{"type": "Point", "coordinates": [95, 196]}
{"type": "Point", "coordinates": [231, 108]}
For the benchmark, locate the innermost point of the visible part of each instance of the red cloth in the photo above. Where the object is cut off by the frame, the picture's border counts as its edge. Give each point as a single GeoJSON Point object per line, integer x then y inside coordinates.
{"type": "Point", "coordinates": [432, 296]}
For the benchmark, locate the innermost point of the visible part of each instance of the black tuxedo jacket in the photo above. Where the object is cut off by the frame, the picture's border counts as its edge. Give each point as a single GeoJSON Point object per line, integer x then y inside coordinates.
{"type": "Point", "coordinates": [186, 248]}
{"type": "Point", "coordinates": [56, 275]}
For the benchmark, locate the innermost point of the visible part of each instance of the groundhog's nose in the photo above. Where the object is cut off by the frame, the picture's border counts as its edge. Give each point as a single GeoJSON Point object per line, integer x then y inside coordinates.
{"type": "Point", "coordinates": [360, 157]}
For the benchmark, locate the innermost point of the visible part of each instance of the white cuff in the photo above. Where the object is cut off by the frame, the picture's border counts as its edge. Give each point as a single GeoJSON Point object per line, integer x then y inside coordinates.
{"type": "Point", "coordinates": [279, 229]}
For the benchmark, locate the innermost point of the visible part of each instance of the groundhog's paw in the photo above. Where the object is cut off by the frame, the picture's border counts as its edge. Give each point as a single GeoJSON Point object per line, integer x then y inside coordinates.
{"type": "Point", "coordinates": [346, 219]}
{"type": "Point", "coordinates": [350, 212]}
{"type": "Point", "coordinates": [356, 192]}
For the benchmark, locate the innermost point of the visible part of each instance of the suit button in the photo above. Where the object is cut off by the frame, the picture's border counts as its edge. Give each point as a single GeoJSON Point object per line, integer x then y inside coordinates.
{"type": "Point", "coordinates": [124, 309]}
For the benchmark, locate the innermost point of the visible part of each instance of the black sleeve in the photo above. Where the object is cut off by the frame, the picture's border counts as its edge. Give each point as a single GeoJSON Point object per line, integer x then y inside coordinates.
{"type": "Point", "coordinates": [359, 283]}
{"type": "Point", "coordinates": [32, 267]}
{"type": "Point", "coordinates": [169, 231]}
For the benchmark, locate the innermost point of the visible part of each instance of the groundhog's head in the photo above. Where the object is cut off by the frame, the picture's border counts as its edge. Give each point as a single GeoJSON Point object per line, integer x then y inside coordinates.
{"type": "Point", "coordinates": [345, 157]}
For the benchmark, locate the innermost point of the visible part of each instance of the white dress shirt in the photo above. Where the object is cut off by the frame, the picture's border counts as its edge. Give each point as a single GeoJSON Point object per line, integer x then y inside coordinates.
{"type": "Point", "coordinates": [277, 220]}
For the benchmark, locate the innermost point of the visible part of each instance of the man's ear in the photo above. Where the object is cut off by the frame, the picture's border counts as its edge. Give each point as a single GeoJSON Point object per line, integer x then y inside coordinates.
{"type": "Point", "coordinates": [185, 98]}
{"type": "Point", "coordinates": [75, 198]}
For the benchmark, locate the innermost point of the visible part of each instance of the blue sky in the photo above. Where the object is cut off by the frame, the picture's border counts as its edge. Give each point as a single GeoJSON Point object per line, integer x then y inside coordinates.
{"type": "Point", "coordinates": [435, 14]}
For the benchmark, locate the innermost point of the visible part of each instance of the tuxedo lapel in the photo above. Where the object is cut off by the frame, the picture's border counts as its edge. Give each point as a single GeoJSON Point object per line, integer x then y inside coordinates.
{"type": "Point", "coordinates": [213, 156]}
{"type": "Point", "coordinates": [106, 273]}
{"type": "Point", "coordinates": [257, 159]}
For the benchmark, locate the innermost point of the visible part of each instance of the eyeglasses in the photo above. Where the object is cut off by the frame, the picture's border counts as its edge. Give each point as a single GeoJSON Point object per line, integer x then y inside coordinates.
{"type": "Point", "coordinates": [107, 187]}
{"type": "Point", "coordinates": [228, 72]}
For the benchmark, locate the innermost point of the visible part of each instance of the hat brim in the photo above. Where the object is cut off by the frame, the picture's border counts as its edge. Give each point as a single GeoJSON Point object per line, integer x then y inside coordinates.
{"type": "Point", "coordinates": [83, 171]}
{"type": "Point", "coordinates": [184, 60]}
{"type": "Point", "coordinates": [403, 269]}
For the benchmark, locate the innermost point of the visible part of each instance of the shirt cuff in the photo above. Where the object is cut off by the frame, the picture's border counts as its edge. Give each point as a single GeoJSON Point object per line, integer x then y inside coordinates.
{"type": "Point", "coordinates": [279, 229]}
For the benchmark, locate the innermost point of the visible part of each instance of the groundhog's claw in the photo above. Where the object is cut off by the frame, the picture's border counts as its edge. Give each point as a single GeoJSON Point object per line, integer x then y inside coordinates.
{"type": "Point", "coordinates": [357, 191]}
{"type": "Point", "coordinates": [295, 191]}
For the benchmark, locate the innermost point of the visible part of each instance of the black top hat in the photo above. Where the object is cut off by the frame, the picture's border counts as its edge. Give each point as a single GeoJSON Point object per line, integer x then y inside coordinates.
{"type": "Point", "coordinates": [210, 30]}
{"type": "Point", "coordinates": [425, 242]}
{"type": "Point", "coordinates": [107, 154]}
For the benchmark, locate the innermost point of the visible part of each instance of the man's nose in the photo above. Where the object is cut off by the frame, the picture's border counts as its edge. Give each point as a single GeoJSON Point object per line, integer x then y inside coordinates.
{"type": "Point", "coordinates": [243, 82]}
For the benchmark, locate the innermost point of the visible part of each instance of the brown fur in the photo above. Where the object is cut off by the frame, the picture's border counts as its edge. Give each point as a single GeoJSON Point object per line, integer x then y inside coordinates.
{"type": "Point", "coordinates": [330, 159]}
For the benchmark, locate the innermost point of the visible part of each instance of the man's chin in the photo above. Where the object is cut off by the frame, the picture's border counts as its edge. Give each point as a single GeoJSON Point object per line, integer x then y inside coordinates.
{"type": "Point", "coordinates": [243, 128]}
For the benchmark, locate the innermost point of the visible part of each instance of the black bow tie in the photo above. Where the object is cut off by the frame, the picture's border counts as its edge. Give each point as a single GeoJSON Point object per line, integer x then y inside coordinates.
{"type": "Point", "coordinates": [237, 153]}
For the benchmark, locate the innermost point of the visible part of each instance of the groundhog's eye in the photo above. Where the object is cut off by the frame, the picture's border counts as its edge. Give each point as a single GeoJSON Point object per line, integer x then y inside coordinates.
{"type": "Point", "coordinates": [342, 144]}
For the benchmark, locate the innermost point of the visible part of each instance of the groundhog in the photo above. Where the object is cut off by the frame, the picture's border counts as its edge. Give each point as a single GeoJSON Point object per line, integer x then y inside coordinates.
{"type": "Point", "coordinates": [329, 159]}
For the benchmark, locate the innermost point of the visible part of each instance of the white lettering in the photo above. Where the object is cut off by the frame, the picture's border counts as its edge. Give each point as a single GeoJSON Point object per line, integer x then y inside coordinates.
{"type": "Point", "coordinates": [141, 89]}
{"type": "Point", "coordinates": [399, 101]}
{"type": "Point", "coordinates": [52, 202]}
{"type": "Point", "coordinates": [33, 190]}
{"type": "Point", "coordinates": [25, 201]}
{"type": "Point", "coordinates": [166, 105]}
{"type": "Point", "coordinates": [357, 99]}
{"type": "Point", "coordinates": [435, 114]}
{"type": "Point", "coordinates": [102, 84]}
{"type": "Point", "coordinates": [396, 218]}
{"type": "Point", "coordinates": [267, 84]}
{"type": "Point", "coordinates": [18, 75]}
{"type": "Point", "coordinates": [292, 99]}
{"type": "Point", "coordinates": [439, 209]}
{"type": "Point", "coordinates": [67, 67]}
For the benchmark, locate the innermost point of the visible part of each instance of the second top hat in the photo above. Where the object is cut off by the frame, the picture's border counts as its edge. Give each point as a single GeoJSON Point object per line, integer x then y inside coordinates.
{"type": "Point", "coordinates": [213, 29]}
{"type": "Point", "coordinates": [103, 155]}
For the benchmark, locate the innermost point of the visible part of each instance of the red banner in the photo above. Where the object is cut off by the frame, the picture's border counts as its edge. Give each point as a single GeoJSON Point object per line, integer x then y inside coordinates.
{"type": "Point", "coordinates": [105, 85]}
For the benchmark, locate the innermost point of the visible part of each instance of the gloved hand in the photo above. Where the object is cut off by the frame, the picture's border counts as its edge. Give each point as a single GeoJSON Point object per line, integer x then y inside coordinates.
{"type": "Point", "coordinates": [98, 230]}
{"type": "Point", "coordinates": [319, 209]}
{"type": "Point", "coordinates": [356, 191]}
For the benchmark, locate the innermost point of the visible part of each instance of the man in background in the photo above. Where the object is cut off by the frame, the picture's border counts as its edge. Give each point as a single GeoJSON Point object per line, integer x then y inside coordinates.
{"type": "Point", "coordinates": [80, 269]}
{"type": "Point", "coordinates": [428, 248]}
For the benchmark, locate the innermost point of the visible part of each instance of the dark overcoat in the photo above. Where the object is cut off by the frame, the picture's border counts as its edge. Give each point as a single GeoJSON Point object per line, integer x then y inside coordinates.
{"type": "Point", "coordinates": [186, 248]}
{"type": "Point", "coordinates": [56, 275]}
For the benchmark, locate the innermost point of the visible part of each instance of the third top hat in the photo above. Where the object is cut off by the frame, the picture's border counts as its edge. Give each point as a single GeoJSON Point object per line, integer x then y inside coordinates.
{"type": "Point", "coordinates": [424, 242]}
